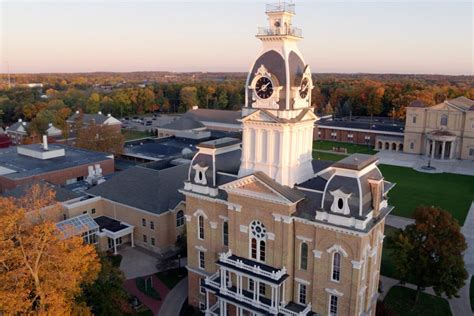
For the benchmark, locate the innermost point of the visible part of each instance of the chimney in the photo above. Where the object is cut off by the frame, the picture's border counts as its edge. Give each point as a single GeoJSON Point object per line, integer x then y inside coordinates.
{"type": "Point", "coordinates": [376, 187]}
{"type": "Point", "coordinates": [45, 142]}
{"type": "Point", "coordinates": [100, 112]}
{"type": "Point", "coordinates": [109, 115]}
{"type": "Point", "coordinates": [20, 120]}
{"type": "Point", "coordinates": [77, 112]}
{"type": "Point", "coordinates": [50, 125]}
{"type": "Point", "coordinates": [98, 170]}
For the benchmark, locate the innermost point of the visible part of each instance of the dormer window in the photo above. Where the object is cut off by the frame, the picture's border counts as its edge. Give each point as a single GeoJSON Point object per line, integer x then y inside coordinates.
{"type": "Point", "coordinates": [340, 203]}
{"type": "Point", "coordinates": [200, 175]}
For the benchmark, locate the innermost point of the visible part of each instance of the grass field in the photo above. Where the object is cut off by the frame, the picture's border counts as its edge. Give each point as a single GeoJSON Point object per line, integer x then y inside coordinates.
{"type": "Point", "coordinates": [452, 192]}
{"type": "Point", "coordinates": [131, 135]}
{"type": "Point", "coordinates": [327, 156]}
{"type": "Point", "coordinates": [401, 301]}
{"type": "Point", "coordinates": [351, 148]}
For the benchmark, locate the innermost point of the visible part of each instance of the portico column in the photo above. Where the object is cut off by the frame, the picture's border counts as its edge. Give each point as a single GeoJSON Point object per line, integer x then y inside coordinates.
{"type": "Point", "coordinates": [115, 246]}
{"type": "Point", "coordinates": [256, 290]}
{"type": "Point", "coordinates": [131, 239]}
{"type": "Point", "coordinates": [451, 151]}
{"type": "Point", "coordinates": [442, 150]}
{"type": "Point", "coordinates": [433, 148]}
{"type": "Point", "coordinates": [283, 294]}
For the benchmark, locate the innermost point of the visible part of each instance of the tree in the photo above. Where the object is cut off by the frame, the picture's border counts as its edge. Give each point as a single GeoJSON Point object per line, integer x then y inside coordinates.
{"type": "Point", "coordinates": [222, 100]}
{"type": "Point", "coordinates": [429, 252]}
{"type": "Point", "coordinates": [100, 138]}
{"type": "Point", "coordinates": [41, 271]}
{"type": "Point", "coordinates": [106, 296]}
{"type": "Point", "coordinates": [328, 110]}
{"type": "Point", "coordinates": [187, 98]}
{"type": "Point", "coordinates": [93, 103]}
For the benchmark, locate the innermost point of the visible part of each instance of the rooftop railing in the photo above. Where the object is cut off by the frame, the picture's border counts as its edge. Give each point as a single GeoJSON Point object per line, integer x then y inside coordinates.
{"type": "Point", "coordinates": [291, 31]}
{"type": "Point", "coordinates": [281, 7]}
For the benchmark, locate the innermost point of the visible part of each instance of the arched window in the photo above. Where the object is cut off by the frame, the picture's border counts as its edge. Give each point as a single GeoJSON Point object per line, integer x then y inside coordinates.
{"type": "Point", "coordinates": [258, 237]}
{"type": "Point", "coordinates": [254, 248]}
{"type": "Point", "coordinates": [336, 266]}
{"type": "Point", "coordinates": [262, 250]}
{"type": "Point", "coordinates": [180, 218]}
{"type": "Point", "coordinates": [444, 120]}
{"type": "Point", "coordinates": [201, 227]}
{"type": "Point", "coordinates": [225, 234]}
{"type": "Point", "coordinates": [304, 256]}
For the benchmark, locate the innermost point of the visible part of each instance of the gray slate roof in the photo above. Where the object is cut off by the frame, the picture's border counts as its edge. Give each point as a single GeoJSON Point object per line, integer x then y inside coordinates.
{"type": "Point", "coordinates": [293, 195]}
{"type": "Point", "coordinates": [212, 115]}
{"type": "Point", "coordinates": [155, 191]}
{"type": "Point", "coordinates": [463, 103]}
{"type": "Point", "coordinates": [24, 166]}
{"type": "Point", "coordinates": [62, 194]}
{"type": "Point", "coordinates": [183, 123]}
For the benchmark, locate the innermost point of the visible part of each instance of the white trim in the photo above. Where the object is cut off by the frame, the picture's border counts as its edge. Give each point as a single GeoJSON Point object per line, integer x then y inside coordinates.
{"type": "Point", "coordinates": [337, 248]}
{"type": "Point", "coordinates": [224, 218]}
{"type": "Point", "coordinates": [271, 236]}
{"type": "Point", "coordinates": [317, 253]}
{"type": "Point", "coordinates": [360, 130]}
{"type": "Point", "coordinates": [200, 212]}
{"type": "Point", "coordinates": [188, 218]}
{"type": "Point", "coordinates": [357, 264]}
{"type": "Point", "coordinates": [244, 229]}
{"type": "Point", "coordinates": [213, 225]}
{"type": "Point", "coordinates": [199, 272]}
{"type": "Point", "coordinates": [305, 282]}
{"type": "Point", "coordinates": [200, 248]}
{"type": "Point", "coordinates": [334, 292]}
{"type": "Point", "coordinates": [305, 239]}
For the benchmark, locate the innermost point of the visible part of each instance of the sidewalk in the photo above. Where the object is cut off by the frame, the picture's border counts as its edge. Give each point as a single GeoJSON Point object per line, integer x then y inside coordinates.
{"type": "Point", "coordinates": [175, 299]}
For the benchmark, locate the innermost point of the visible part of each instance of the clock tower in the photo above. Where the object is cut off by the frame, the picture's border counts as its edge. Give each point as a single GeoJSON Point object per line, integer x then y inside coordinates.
{"type": "Point", "coordinates": [278, 120]}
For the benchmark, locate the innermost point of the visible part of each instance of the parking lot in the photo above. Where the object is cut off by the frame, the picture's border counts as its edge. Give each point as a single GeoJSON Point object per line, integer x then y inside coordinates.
{"type": "Point", "coordinates": [139, 123]}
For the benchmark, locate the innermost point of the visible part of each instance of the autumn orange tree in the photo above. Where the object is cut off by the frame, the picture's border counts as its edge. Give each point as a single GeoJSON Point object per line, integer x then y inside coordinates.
{"type": "Point", "coordinates": [100, 138]}
{"type": "Point", "coordinates": [41, 272]}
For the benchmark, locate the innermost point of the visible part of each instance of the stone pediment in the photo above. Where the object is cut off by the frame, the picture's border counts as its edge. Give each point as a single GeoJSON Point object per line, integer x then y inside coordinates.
{"type": "Point", "coordinates": [253, 186]}
{"type": "Point", "coordinates": [261, 116]}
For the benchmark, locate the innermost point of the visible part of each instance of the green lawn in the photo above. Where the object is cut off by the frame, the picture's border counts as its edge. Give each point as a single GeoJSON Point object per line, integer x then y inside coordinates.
{"type": "Point", "coordinates": [452, 192]}
{"type": "Point", "coordinates": [401, 301]}
{"type": "Point", "coordinates": [351, 148]}
{"type": "Point", "coordinates": [171, 277]}
{"type": "Point", "coordinates": [131, 135]}
{"type": "Point", "coordinates": [471, 293]}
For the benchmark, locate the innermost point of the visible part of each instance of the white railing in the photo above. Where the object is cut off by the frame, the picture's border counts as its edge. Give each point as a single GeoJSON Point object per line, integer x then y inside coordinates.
{"type": "Point", "coordinates": [248, 300]}
{"type": "Point", "coordinates": [210, 280]}
{"type": "Point", "coordinates": [281, 7]}
{"type": "Point", "coordinates": [274, 275]}
{"type": "Point", "coordinates": [266, 31]}
{"type": "Point", "coordinates": [292, 313]}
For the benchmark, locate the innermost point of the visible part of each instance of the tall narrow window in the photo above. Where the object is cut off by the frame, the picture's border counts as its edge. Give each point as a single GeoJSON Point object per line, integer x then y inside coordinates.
{"type": "Point", "coordinates": [251, 285]}
{"type": "Point", "coordinates": [202, 262]}
{"type": "Point", "coordinates": [262, 288]}
{"type": "Point", "coordinates": [143, 222]}
{"type": "Point", "coordinates": [179, 218]}
{"type": "Point", "coordinates": [333, 305]}
{"type": "Point", "coordinates": [152, 225]}
{"type": "Point", "coordinates": [225, 233]}
{"type": "Point", "coordinates": [336, 266]}
{"type": "Point", "coordinates": [302, 294]}
{"type": "Point", "coordinates": [201, 227]}
{"type": "Point", "coordinates": [304, 256]}
{"type": "Point", "coordinates": [262, 250]}
{"type": "Point", "coordinates": [254, 248]}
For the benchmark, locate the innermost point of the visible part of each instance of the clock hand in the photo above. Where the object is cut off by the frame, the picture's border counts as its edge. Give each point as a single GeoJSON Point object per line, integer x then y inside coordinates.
{"type": "Point", "coordinates": [264, 88]}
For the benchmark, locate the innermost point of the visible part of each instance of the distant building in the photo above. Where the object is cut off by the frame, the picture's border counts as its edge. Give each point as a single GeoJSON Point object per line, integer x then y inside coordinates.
{"type": "Point", "coordinates": [57, 164]}
{"type": "Point", "coordinates": [223, 120]}
{"type": "Point", "coordinates": [361, 130]}
{"type": "Point", "coordinates": [88, 119]}
{"type": "Point", "coordinates": [184, 127]}
{"type": "Point", "coordinates": [19, 131]}
{"type": "Point", "coordinates": [442, 131]}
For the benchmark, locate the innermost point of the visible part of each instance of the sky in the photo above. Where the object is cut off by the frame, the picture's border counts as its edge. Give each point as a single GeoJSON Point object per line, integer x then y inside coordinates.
{"type": "Point", "coordinates": [404, 36]}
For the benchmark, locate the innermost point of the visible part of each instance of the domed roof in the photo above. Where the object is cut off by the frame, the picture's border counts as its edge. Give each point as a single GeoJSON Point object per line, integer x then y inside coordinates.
{"type": "Point", "coordinates": [275, 64]}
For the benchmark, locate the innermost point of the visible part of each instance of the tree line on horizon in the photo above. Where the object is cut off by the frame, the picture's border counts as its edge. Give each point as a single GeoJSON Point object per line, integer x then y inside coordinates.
{"type": "Point", "coordinates": [122, 95]}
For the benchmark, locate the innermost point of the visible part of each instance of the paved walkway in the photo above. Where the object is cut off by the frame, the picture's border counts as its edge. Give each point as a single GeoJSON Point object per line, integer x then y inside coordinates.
{"type": "Point", "coordinates": [465, 167]}
{"type": "Point", "coordinates": [398, 221]}
{"type": "Point", "coordinates": [136, 262]}
{"type": "Point", "coordinates": [175, 299]}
